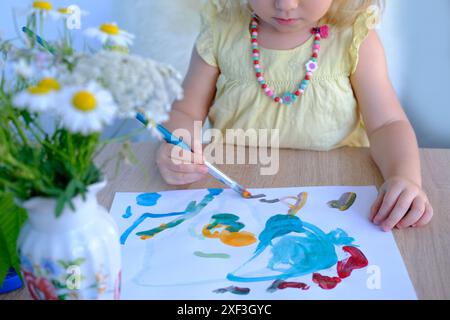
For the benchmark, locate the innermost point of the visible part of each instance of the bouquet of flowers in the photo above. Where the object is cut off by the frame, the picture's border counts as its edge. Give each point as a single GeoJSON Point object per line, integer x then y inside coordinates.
{"type": "Point", "coordinates": [54, 104]}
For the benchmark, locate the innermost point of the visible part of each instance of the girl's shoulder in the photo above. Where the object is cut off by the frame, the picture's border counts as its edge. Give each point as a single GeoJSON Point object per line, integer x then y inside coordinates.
{"type": "Point", "coordinates": [222, 22]}
{"type": "Point", "coordinates": [341, 49]}
{"type": "Point", "coordinates": [223, 11]}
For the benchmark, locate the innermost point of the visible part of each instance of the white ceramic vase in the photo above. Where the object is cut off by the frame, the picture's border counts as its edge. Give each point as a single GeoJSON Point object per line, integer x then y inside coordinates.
{"type": "Point", "coordinates": [73, 256]}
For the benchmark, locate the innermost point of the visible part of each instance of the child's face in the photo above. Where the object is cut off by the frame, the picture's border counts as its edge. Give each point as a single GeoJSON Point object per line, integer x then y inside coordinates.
{"type": "Point", "coordinates": [290, 15]}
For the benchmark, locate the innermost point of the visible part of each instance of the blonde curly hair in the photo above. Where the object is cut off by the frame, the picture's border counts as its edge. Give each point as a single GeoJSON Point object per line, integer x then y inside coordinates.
{"type": "Point", "coordinates": [342, 13]}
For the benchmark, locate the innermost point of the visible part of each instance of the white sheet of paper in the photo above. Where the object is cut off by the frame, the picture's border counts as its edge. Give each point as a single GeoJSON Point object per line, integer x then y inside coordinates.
{"type": "Point", "coordinates": [165, 266]}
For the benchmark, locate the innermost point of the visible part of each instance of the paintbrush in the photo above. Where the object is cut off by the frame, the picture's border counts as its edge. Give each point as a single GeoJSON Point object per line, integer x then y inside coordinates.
{"type": "Point", "coordinates": [169, 137]}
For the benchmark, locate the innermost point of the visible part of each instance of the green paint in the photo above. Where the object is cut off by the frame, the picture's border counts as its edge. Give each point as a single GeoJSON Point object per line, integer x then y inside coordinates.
{"type": "Point", "coordinates": [212, 255]}
{"type": "Point", "coordinates": [226, 219]}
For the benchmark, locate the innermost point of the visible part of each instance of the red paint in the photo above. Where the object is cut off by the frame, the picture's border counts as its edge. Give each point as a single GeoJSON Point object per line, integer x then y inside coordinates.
{"type": "Point", "coordinates": [325, 282]}
{"type": "Point", "coordinates": [357, 260]}
{"type": "Point", "coordinates": [291, 284]}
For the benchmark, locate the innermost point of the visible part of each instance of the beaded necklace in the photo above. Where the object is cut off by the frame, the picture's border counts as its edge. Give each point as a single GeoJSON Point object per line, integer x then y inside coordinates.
{"type": "Point", "coordinates": [311, 66]}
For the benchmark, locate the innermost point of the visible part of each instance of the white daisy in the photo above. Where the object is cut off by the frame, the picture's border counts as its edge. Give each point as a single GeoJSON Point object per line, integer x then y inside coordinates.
{"type": "Point", "coordinates": [65, 13]}
{"type": "Point", "coordinates": [39, 98]}
{"type": "Point", "coordinates": [23, 69]}
{"type": "Point", "coordinates": [86, 110]}
{"type": "Point", "coordinates": [110, 32]}
{"type": "Point", "coordinates": [42, 7]}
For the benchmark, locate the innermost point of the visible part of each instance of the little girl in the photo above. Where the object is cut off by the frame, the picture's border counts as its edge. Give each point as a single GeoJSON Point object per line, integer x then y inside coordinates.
{"type": "Point", "coordinates": [316, 71]}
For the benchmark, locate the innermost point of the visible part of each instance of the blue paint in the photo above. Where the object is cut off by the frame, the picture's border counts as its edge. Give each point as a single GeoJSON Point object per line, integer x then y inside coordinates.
{"type": "Point", "coordinates": [127, 213]}
{"type": "Point", "coordinates": [191, 210]}
{"type": "Point", "coordinates": [142, 218]}
{"type": "Point", "coordinates": [147, 199]}
{"type": "Point", "coordinates": [302, 248]}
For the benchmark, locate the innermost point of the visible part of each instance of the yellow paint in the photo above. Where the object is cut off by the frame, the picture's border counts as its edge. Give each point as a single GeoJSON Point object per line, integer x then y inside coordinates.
{"type": "Point", "coordinates": [300, 201]}
{"type": "Point", "coordinates": [145, 237]}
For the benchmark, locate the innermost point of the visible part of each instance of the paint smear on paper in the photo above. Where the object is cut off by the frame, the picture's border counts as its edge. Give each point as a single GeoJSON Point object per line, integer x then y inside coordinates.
{"type": "Point", "coordinates": [226, 227]}
{"type": "Point", "coordinates": [212, 255]}
{"type": "Point", "coordinates": [344, 202]}
{"type": "Point", "coordinates": [191, 210]}
{"type": "Point", "coordinates": [147, 199]}
{"type": "Point", "coordinates": [127, 213]}
{"type": "Point", "coordinates": [300, 201]}
{"type": "Point", "coordinates": [256, 196]}
{"type": "Point", "coordinates": [297, 248]}
{"type": "Point", "coordinates": [325, 282]}
{"type": "Point", "coordinates": [234, 290]}
{"type": "Point", "coordinates": [270, 201]}
{"type": "Point", "coordinates": [357, 260]}
{"type": "Point", "coordinates": [194, 233]}
{"type": "Point", "coordinates": [280, 284]}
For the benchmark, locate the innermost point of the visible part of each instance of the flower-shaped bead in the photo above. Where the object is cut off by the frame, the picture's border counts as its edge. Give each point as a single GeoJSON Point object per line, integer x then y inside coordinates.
{"type": "Point", "coordinates": [311, 66]}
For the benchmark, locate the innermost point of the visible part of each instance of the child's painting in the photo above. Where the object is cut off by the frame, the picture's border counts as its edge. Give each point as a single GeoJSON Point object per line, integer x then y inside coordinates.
{"type": "Point", "coordinates": [285, 243]}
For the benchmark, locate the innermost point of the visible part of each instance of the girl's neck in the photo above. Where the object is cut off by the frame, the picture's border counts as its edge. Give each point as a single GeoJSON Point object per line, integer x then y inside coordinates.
{"type": "Point", "coordinates": [270, 38]}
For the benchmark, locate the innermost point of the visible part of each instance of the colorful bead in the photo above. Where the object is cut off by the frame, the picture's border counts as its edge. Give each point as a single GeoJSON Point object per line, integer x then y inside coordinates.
{"type": "Point", "coordinates": [311, 65]}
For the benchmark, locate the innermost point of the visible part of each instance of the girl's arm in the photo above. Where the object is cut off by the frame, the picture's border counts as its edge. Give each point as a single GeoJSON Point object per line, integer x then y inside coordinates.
{"type": "Point", "coordinates": [401, 201]}
{"type": "Point", "coordinates": [176, 165]}
{"type": "Point", "coordinates": [199, 88]}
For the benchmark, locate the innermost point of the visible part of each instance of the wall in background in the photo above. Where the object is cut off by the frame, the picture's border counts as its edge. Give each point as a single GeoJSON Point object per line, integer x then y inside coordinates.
{"type": "Point", "coordinates": [416, 37]}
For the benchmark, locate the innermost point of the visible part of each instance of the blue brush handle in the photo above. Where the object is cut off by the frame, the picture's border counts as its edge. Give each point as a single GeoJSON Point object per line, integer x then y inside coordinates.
{"type": "Point", "coordinates": [167, 135]}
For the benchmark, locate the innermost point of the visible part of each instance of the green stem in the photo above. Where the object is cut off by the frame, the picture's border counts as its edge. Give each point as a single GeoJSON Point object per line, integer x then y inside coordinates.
{"type": "Point", "coordinates": [20, 130]}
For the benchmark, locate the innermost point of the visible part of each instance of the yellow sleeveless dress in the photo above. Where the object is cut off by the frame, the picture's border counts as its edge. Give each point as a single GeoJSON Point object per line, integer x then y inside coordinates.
{"type": "Point", "coordinates": [327, 116]}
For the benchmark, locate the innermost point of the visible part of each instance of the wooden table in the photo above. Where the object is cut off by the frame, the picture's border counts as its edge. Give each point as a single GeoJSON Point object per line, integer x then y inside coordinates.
{"type": "Point", "coordinates": [426, 251]}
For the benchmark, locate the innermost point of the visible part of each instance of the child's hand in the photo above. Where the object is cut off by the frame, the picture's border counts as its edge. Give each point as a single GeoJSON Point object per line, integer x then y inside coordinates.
{"type": "Point", "coordinates": [401, 203]}
{"type": "Point", "coordinates": [178, 166]}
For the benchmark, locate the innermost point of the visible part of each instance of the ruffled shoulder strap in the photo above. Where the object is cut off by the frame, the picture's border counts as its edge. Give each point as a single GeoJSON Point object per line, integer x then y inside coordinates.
{"type": "Point", "coordinates": [206, 42]}
{"type": "Point", "coordinates": [361, 28]}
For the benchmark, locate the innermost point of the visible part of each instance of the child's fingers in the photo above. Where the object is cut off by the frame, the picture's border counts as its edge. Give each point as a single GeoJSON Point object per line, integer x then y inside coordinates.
{"type": "Point", "coordinates": [198, 152]}
{"type": "Point", "coordinates": [389, 200]}
{"type": "Point", "coordinates": [376, 205]}
{"type": "Point", "coordinates": [414, 215]}
{"type": "Point", "coordinates": [186, 178]}
{"type": "Point", "coordinates": [186, 167]}
{"type": "Point", "coordinates": [401, 207]}
{"type": "Point", "coordinates": [426, 218]}
{"type": "Point", "coordinates": [178, 154]}
{"type": "Point", "coordinates": [179, 178]}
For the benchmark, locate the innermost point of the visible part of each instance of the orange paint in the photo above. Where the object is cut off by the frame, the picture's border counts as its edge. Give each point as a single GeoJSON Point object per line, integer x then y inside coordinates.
{"type": "Point", "coordinates": [207, 232]}
{"type": "Point", "coordinates": [246, 194]}
{"type": "Point", "coordinates": [237, 239]}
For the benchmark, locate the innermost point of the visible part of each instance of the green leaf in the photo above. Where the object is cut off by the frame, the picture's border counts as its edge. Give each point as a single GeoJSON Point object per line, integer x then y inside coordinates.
{"type": "Point", "coordinates": [60, 203]}
{"type": "Point", "coordinates": [63, 264]}
{"type": "Point", "coordinates": [78, 261]}
{"type": "Point", "coordinates": [12, 217]}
